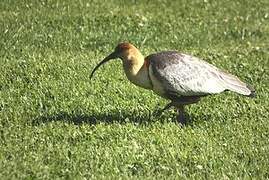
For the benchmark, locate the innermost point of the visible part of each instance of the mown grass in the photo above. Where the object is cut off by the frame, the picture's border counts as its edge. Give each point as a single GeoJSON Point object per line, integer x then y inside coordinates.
{"type": "Point", "coordinates": [56, 123]}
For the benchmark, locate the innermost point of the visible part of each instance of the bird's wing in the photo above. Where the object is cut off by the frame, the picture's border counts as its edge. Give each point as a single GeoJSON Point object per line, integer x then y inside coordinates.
{"type": "Point", "coordinates": [186, 75]}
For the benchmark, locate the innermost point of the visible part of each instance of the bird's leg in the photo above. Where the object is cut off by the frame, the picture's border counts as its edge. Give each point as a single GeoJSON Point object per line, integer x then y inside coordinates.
{"type": "Point", "coordinates": [181, 118]}
{"type": "Point", "coordinates": [179, 102]}
{"type": "Point", "coordinates": [168, 106]}
{"type": "Point", "coordinates": [160, 111]}
{"type": "Point", "coordinates": [180, 108]}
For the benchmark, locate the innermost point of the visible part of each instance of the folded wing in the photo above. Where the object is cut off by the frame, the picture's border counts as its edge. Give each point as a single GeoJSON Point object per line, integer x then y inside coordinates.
{"type": "Point", "coordinates": [186, 75]}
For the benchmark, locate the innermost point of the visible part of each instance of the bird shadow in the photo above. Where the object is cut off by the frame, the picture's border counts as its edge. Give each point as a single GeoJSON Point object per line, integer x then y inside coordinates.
{"type": "Point", "coordinates": [115, 117]}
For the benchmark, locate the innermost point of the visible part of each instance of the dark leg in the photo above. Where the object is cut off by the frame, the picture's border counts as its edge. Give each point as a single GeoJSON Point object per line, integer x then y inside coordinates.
{"type": "Point", "coordinates": [181, 118]}
{"type": "Point", "coordinates": [168, 106]}
{"type": "Point", "coordinates": [179, 104]}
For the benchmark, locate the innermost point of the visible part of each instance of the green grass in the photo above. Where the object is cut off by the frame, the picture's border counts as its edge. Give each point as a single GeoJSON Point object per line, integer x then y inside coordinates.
{"type": "Point", "coordinates": [56, 123]}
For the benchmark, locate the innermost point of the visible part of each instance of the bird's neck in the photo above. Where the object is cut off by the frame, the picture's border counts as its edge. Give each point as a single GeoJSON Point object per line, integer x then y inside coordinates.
{"type": "Point", "coordinates": [136, 69]}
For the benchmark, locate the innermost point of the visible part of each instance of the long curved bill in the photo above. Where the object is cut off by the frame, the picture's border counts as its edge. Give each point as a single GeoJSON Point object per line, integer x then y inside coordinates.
{"type": "Point", "coordinates": [109, 57]}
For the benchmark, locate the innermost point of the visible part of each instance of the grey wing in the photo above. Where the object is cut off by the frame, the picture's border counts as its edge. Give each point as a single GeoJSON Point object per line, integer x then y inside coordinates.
{"type": "Point", "coordinates": [189, 76]}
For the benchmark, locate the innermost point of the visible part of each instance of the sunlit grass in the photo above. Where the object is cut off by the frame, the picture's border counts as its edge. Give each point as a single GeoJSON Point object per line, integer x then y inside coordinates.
{"type": "Point", "coordinates": [56, 123]}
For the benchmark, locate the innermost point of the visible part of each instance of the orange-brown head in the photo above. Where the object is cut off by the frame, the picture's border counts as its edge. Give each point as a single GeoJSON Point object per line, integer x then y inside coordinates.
{"type": "Point", "coordinates": [127, 52]}
{"type": "Point", "coordinates": [134, 65]}
{"type": "Point", "coordinates": [123, 48]}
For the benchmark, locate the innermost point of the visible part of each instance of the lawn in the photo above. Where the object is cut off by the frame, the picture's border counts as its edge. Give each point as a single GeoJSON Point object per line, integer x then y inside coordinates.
{"type": "Point", "coordinates": [57, 123]}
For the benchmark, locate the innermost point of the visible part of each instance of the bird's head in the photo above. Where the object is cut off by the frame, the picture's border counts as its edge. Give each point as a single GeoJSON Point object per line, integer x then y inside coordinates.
{"type": "Point", "coordinates": [125, 51]}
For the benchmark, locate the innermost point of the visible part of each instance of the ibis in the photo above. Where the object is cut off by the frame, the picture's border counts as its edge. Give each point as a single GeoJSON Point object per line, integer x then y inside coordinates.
{"type": "Point", "coordinates": [181, 78]}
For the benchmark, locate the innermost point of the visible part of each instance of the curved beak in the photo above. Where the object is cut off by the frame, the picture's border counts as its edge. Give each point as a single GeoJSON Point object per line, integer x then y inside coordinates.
{"type": "Point", "coordinates": [109, 57]}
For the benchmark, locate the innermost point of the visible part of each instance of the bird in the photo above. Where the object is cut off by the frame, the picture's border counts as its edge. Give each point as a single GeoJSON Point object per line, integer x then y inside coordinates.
{"type": "Point", "coordinates": [178, 77]}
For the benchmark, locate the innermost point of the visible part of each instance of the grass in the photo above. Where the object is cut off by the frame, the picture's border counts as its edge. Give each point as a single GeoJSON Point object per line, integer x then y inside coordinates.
{"type": "Point", "coordinates": [56, 123]}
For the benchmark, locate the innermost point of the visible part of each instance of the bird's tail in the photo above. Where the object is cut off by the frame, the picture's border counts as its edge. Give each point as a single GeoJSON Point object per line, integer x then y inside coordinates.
{"type": "Point", "coordinates": [234, 84]}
